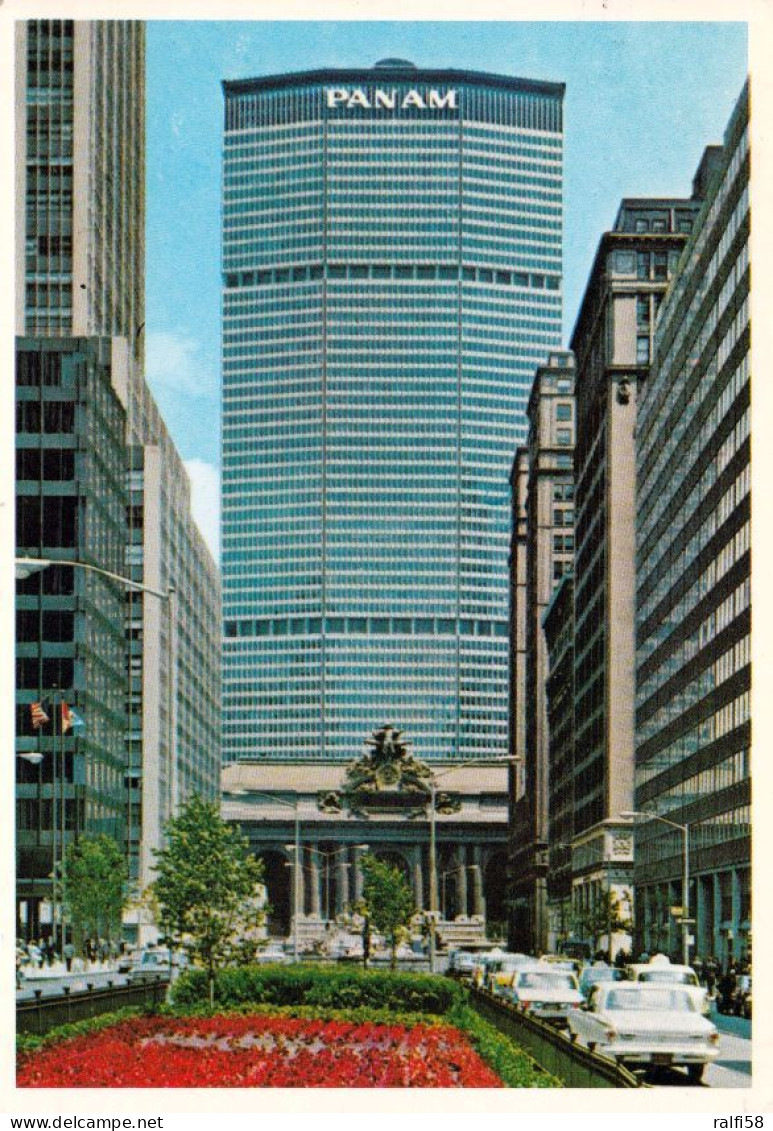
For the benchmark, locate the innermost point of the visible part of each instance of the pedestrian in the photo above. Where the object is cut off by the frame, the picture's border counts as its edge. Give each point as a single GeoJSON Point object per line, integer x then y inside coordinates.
{"type": "Point", "coordinates": [50, 951]}
{"type": "Point", "coordinates": [710, 973]}
{"type": "Point", "coordinates": [726, 988]}
{"type": "Point", "coordinates": [68, 950]}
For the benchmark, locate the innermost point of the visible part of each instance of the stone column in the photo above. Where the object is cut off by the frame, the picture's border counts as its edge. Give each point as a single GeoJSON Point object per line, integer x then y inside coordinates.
{"type": "Point", "coordinates": [342, 880]}
{"type": "Point", "coordinates": [702, 926]}
{"type": "Point", "coordinates": [418, 878]}
{"type": "Point", "coordinates": [292, 872]}
{"type": "Point", "coordinates": [718, 919]}
{"type": "Point", "coordinates": [461, 882]}
{"type": "Point", "coordinates": [476, 874]}
{"type": "Point", "coordinates": [315, 903]}
{"type": "Point", "coordinates": [357, 885]}
{"type": "Point", "coordinates": [735, 919]}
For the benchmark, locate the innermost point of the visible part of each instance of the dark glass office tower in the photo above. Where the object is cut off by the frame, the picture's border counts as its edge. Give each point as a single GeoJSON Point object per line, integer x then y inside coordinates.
{"type": "Point", "coordinates": [392, 278]}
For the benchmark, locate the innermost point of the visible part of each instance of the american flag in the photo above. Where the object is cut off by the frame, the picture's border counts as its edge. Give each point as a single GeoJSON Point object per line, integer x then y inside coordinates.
{"type": "Point", "coordinates": [39, 716]}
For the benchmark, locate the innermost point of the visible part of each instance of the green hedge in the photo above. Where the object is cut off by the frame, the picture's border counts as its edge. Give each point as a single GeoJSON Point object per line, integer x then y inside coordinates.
{"type": "Point", "coordinates": [30, 1042]}
{"type": "Point", "coordinates": [332, 988]}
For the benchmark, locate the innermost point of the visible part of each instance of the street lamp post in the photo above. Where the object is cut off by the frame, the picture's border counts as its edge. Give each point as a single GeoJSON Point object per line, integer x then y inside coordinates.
{"type": "Point", "coordinates": [295, 848]}
{"type": "Point", "coordinates": [26, 567]}
{"type": "Point", "coordinates": [634, 815]}
{"type": "Point", "coordinates": [328, 856]}
{"type": "Point", "coordinates": [433, 876]}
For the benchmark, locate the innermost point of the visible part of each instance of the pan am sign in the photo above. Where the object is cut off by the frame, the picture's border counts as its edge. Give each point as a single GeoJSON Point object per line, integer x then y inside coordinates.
{"type": "Point", "coordinates": [378, 99]}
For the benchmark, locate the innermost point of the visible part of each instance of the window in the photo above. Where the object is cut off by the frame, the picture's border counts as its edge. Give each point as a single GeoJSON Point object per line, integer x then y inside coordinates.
{"type": "Point", "coordinates": [563, 412]}
{"type": "Point", "coordinates": [661, 265]}
{"type": "Point", "coordinates": [641, 226]}
{"type": "Point", "coordinates": [643, 310]}
{"type": "Point", "coordinates": [643, 260]}
{"type": "Point", "coordinates": [642, 350]}
{"type": "Point", "coordinates": [658, 225]}
{"type": "Point", "coordinates": [564, 437]}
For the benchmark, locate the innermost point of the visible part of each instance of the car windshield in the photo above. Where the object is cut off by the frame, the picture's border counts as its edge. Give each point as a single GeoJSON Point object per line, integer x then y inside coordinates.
{"type": "Point", "coordinates": [665, 1000]}
{"type": "Point", "coordinates": [547, 981]}
{"type": "Point", "coordinates": [674, 977]}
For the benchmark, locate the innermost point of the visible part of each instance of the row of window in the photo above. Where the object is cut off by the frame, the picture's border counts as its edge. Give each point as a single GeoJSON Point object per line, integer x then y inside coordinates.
{"type": "Point", "coordinates": [428, 272]}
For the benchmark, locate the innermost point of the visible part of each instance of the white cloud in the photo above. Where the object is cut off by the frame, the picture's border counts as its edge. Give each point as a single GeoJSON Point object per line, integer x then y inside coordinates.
{"type": "Point", "coordinates": [174, 360]}
{"type": "Point", "coordinates": [205, 501]}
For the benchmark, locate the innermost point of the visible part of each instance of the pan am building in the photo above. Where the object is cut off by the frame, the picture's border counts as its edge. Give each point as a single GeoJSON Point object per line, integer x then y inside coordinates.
{"type": "Point", "coordinates": [391, 280]}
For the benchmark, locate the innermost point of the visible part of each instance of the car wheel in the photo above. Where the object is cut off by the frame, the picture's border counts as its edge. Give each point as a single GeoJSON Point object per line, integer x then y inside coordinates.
{"type": "Point", "coordinates": [695, 1072]}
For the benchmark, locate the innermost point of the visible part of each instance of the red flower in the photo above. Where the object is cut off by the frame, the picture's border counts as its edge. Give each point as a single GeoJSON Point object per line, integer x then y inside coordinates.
{"type": "Point", "coordinates": [258, 1052]}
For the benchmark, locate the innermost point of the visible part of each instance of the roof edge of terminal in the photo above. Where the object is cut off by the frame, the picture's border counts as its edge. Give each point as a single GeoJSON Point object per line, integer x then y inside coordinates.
{"type": "Point", "coordinates": [398, 73]}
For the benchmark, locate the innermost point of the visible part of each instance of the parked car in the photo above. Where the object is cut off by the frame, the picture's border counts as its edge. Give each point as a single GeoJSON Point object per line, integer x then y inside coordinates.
{"type": "Point", "coordinates": [273, 952]}
{"type": "Point", "coordinates": [152, 961]}
{"type": "Point", "coordinates": [545, 992]}
{"type": "Point", "coordinates": [661, 971]}
{"type": "Point", "coordinates": [599, 972]}
{"type": "Point", "coordinates": [643, 1024]}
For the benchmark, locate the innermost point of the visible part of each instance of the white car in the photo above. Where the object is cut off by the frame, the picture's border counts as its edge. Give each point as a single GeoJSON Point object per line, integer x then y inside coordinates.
{"type": "Point", "coordinates": [642, 1025]}
{"type": "Point", "coordinates": [501, 970]}
{"type": "Point", "coordinates": [662, 972]}
{"type": "Point", "coordinates": [463, 963]}
{"type": "Point", "coordinates": [547, 993]}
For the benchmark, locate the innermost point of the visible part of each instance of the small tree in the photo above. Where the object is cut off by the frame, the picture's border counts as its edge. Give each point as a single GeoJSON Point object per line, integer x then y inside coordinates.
{"type": "Point", "coordinates": [208, 887]}
{"type": "Point", "coordinates": [603, 917]}
{"type": "Point", "coordinates": [388, 900]}
{"type": "Point", "coordinates": [93, 886]}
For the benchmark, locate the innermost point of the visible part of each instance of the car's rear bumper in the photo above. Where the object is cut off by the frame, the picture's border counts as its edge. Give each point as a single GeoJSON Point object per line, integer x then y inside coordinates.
{"type": "Point", "coordinates": [676, 1055]}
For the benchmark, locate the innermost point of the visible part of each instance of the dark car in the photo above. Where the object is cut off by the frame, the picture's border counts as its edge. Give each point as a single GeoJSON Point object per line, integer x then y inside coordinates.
{"type": "Point", "coordinates": [593, 975]}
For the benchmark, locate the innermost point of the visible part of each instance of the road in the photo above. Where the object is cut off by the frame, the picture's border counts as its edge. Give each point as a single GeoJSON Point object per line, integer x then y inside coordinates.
{"type": "Point", "coordinates": [53, 986]}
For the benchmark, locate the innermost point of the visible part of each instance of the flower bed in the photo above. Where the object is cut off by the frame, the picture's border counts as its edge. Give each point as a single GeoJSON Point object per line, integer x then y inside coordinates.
{"type": "Point", "coordinates": [258, 1052]}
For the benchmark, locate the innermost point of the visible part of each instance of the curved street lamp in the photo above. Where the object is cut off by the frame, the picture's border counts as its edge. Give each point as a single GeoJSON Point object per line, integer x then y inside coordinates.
{"type": "Point", "coordinates": [432, 915]}
{"type": "Point", "coordinates": [26, 567]}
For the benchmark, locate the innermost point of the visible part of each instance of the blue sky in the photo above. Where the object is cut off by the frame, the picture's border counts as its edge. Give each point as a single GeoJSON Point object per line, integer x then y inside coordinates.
{"type": "Point", "coordinates": [642, 101]}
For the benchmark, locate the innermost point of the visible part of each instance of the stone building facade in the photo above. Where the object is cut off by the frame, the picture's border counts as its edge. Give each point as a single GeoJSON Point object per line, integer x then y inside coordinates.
{"type": "Point", "coordinates": [265, 800]}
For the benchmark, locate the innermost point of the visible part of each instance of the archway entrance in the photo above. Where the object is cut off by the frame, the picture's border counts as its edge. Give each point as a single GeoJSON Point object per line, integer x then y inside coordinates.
{"type": "Point", "coordinates": [277, 880]}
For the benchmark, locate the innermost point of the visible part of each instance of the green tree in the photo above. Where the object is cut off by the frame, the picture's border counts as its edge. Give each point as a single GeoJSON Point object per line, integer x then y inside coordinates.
{"type": "Point", "coordinates": [93, 886]}
{"type": "Point", "coordinates": [603, 917]}
{"type": "Point", "coordinates": [388, 900]}
{"type": "Point", "coordinates": [208, 887]}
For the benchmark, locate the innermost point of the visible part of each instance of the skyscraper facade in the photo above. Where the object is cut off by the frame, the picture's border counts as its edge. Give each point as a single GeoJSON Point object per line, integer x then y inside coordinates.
{"type": "Point", "coordinates": [545, 554]}
{"type": "Point", "coordinates": [693, 579]}
{"type": "Point", "coordinates": [392, 277]}
{"type": "Point", "coordinates": [84, 415]}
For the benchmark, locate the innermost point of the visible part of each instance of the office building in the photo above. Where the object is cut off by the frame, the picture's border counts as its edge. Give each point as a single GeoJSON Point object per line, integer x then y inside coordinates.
{"type": "Point", "coordinates": [544, 554]}
{"type": "Point", "coordinates": [80, 323]}
{"type": "Point", "coordinates": [558, 626]}
{"type": "Point", "coordinates": [612, 343]}
{"type": "Point", "coordinates": [392, 276]}
{"type": "Point", "coordinates": [70, 644]}
{"type": "Point", "coordinates": [693, 610]}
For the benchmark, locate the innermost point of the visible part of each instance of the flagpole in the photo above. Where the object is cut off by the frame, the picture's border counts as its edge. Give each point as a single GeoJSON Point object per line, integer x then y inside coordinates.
{"type": "Point", "coordinates": [64, 823]}
{"type": "Point", "coordinates": [54, 822]}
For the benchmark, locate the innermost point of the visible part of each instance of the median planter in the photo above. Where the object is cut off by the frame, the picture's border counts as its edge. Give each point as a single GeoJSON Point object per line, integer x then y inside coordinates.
{"type": "Point", "coordinates": [259, 1051]}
